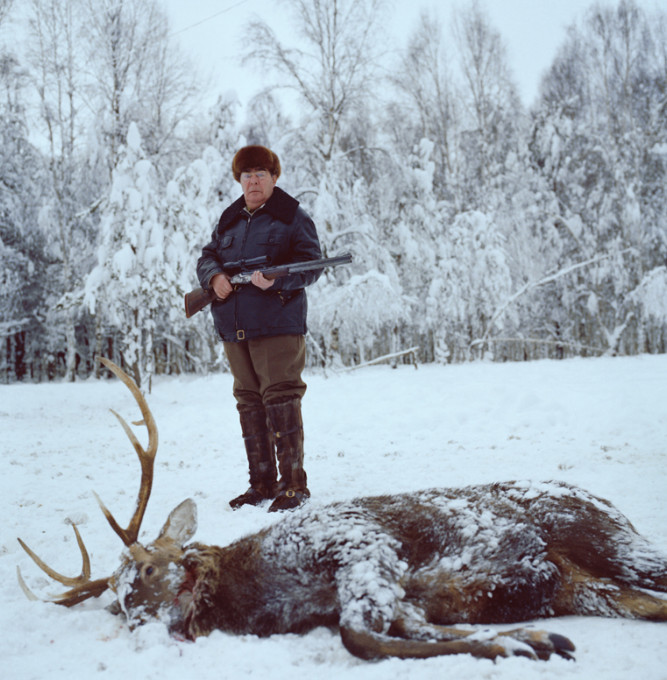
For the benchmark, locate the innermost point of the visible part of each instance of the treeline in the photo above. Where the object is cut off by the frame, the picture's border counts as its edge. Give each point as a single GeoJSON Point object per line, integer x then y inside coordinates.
{"type": "Point", "coordinates": [479, 228]}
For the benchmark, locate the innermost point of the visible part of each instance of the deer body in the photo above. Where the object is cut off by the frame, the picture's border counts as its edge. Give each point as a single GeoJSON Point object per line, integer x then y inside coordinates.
{"type": "Point", "coordinates": [399, 569]}
{"type": "Point", "coordinates": [398, 575]}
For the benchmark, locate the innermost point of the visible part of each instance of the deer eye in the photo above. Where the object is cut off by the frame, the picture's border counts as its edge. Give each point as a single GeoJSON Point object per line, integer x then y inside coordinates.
{"type": "Point", "coordinates": [150, 569]}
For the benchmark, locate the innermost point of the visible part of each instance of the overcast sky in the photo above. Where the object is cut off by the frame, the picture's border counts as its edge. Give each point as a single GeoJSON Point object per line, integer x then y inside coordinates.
{"type": "Point", "coordinates": [211, 31]}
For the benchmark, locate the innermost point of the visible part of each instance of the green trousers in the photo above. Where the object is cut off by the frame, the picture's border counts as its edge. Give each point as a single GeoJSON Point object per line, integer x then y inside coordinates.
{"type": "Point", "coordinates": [267, 369]}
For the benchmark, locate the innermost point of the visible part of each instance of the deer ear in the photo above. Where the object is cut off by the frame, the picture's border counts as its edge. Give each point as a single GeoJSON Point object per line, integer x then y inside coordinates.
{"type": "Point", "coordinates": [181, 524]}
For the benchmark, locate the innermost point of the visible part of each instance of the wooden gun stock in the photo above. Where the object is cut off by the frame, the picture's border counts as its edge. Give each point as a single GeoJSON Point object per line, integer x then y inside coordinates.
{"type": "Point", "coordinates": [196, 300]}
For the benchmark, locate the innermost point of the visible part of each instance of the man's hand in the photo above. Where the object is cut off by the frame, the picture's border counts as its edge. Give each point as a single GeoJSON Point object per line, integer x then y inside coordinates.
{"type": "Point", "coordinates": [258, 279]}
{"type": "Point", "coordinates": [221, 286]}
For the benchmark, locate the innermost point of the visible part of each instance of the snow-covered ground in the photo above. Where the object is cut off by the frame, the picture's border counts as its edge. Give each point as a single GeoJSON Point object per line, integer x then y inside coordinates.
{"type": "Point", "coordinates": [600, 423]}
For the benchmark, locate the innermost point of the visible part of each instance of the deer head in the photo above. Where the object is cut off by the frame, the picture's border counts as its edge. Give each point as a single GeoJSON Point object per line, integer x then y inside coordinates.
{"type": "Point", "coordinates": [149, 584]}
{"type": "Point", "coordinates": [143, 582]}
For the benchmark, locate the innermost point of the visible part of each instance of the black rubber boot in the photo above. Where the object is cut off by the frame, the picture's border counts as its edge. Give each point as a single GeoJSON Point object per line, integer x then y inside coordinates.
{"type": "Point", "coordinates": [287, 426]}
{"type": "Point", "coordinates": [261, 457]}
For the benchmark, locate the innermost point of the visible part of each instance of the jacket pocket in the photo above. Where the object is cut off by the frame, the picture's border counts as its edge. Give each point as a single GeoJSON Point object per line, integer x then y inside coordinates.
{"type": "Point", "coordinates": [225, 242]}
{"type": "Point", "coordinates": [286, 296]}
{"type": "Point", "coordinates": [269, 241]}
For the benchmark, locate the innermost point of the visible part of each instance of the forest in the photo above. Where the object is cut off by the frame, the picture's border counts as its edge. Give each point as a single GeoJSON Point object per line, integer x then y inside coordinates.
{"type": "Point", "coordinates": [479, 228]}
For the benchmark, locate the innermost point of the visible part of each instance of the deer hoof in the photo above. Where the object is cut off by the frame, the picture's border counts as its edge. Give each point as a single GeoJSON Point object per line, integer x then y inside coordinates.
{"type": "Point", "coordinates": [562, 646]}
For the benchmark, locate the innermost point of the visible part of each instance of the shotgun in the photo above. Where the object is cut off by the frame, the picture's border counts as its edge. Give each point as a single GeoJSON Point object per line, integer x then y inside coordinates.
{"type": "Point", "coordinates": [199, 298]}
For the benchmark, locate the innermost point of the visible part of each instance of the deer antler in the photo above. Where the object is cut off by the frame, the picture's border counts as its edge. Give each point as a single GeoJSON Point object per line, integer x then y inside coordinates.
{"type": "Point", "coordinates": [146, 458]}
{"type": "Point", "coordinates": [82, 587]}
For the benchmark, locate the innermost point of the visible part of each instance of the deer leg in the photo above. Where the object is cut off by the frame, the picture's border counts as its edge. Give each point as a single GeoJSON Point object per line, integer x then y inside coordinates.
{"type": "Point", "coordinates": [604, 597]}
{"type": "Point", "coordinates": [538, 643]}
{"type": "Point", "coordinates": [642, 604]}
{"type": "Point", "coordinates": [486, 644]}
{"type": "Point", "coordinates": [585, 594]}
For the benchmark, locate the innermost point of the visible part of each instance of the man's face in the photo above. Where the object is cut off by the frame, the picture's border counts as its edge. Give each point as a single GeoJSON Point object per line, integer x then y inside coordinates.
{"type": "Point", "coordinates": [257, 185]}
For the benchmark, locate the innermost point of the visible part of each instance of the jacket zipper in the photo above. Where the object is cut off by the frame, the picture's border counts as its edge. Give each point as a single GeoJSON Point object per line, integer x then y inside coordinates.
{"type": "Point", "coordinates": [240, 332]}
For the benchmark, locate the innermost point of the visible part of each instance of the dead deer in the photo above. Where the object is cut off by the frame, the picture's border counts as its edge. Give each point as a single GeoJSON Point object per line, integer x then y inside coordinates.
{"type": "Point", "coordinates": [395, 573]}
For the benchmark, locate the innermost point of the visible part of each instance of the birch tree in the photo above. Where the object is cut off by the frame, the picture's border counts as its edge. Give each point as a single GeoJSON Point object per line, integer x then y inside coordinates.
{"type": "Point", "coordinates": [54, 55]}
{"type": "Point", "coordinates": [333, 65]}
{"type": "Point", "coordinates": [494, 112]}
{"type": "Point", "coordinates": [137, 73]}
{"type": "Point", "coordinates": [425, 80]}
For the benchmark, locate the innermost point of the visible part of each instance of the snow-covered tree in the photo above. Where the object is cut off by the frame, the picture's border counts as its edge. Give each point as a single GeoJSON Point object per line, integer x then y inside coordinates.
{"type": "Point", "coordinates": [491, 128]}
{"type": "Point", "coordinates": [431, 110]}
{"type": "Point", "coordinates": [55, 57]}
{"type": "Point", "coordinates": [356, 311]}
{"type": "Point", "coordinates": [599, 139]}
{"type": "Point", "coordinates": [127, 286]}
{"type": "Point", "coordinates": [137, 73]}
{"type": "Point", "coordinates": [192, 207]}
{"type": "Point", "coordinates": [22, 261]}
{"type": "Point", "coordinates": [470, 282]}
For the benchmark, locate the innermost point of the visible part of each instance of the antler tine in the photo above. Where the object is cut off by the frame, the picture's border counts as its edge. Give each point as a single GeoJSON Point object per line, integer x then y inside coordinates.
{"type": "Point", "coordinates": [82, 586]}
{"type": "Point", "coordinates": [71, 597]}
{"type": "Point", "coordinates": [146, 458]}
{"type": "Point", "coordinates": [65, 580]}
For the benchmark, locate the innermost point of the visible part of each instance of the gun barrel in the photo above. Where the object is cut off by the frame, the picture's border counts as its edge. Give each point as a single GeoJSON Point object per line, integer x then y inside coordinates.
{"type": "Point", "coordinates": [294, 268]}
{"type": "Point", "coordinates": [309, 265]}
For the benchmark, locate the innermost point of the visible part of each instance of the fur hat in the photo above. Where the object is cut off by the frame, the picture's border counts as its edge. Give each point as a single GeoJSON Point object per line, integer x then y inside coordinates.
{"type": "Point", "coordinates": [255, 156]}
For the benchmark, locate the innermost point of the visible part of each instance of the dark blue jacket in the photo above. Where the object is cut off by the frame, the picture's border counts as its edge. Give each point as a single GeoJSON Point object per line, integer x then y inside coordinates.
{"type": "Point", "coordinates": [281, 230]}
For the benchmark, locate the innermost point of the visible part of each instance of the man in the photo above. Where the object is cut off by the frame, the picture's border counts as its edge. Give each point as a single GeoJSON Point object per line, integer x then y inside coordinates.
{"type": "Point", "coordinates": [263, 324]}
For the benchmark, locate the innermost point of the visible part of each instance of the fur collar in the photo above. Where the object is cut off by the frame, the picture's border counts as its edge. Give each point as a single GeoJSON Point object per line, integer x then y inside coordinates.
{"type": "Point", "coordinates": [280, 205]}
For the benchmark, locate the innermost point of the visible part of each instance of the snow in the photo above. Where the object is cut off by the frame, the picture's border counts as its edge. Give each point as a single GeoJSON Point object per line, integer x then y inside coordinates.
{"type": "Point", "coordinates": [600, 423]}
